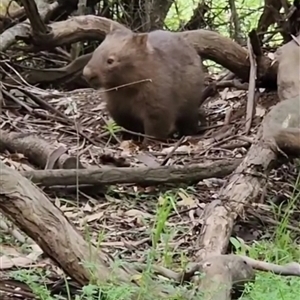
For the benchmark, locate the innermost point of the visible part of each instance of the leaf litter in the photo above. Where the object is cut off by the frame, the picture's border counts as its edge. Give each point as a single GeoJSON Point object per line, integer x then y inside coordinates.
{"type": "Point", "coordinates": [121, 218]}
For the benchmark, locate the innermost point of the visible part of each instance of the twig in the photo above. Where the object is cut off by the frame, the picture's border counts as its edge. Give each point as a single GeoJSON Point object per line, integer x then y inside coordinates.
{"type": "Point", "coordinates": [251, 91]}
{"type": "Point", "coordinates": [179, 142]}
{"type": "Point", "coordinates": [37, 25]}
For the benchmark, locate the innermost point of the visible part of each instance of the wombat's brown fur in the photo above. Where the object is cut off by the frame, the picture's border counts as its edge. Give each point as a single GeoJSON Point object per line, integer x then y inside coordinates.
{"type": "Point", "coordinates": [161, 77]}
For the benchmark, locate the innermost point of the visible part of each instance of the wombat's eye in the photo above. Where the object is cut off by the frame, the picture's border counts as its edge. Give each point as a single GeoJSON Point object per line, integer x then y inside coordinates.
{"type": "Point", "coordinates": [110, 60]}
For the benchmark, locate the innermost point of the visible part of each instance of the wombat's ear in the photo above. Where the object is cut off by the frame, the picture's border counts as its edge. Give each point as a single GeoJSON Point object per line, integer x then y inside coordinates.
{"type": "Point", "coordinates": [140, 39]}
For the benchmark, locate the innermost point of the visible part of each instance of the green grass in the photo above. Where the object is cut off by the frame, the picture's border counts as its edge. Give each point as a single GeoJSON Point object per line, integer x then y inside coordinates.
{"type": "Point", "coordinates": [281, 249]}
{"type": "Point", "coordinates": [267, 286]}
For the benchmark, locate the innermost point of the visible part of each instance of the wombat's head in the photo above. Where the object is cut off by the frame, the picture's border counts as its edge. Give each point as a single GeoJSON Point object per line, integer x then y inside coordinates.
{"type": "Point", "coordinates": [120, 59]}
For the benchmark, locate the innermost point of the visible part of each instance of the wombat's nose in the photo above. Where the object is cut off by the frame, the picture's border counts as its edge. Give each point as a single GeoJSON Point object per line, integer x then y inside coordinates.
{"type": "Point", "coordinates": [87, 73]}
{"type": "Point", "coordinates": [91, 77]}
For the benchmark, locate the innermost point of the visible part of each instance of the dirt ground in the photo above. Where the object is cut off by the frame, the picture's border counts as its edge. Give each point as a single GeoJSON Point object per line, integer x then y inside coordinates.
{"type": "Point", "coordinates": [125, 214]}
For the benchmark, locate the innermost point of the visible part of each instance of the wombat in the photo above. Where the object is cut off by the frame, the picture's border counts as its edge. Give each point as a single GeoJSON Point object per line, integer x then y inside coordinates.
{"type": "Point", "coordinates": [153, 81]}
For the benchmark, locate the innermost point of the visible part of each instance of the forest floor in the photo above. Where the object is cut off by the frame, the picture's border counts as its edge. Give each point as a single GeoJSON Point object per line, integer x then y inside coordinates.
{"type": "Point", "coordinates": [157, 223]}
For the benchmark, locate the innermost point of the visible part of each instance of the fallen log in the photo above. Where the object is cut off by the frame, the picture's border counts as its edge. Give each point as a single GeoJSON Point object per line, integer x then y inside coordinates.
{"type": "Point", "coordinates": [31, 210]}
{"type": "Point", "coordinates": [38, 151]}
{"type": "Point", "coordinates": [139, 175]}
{"type": "Point", "coordinates": [281, 127]}
{"type": "Point", "coordinates": [208, 44]}
{"type": "Point", "coordinates": [246, 182]}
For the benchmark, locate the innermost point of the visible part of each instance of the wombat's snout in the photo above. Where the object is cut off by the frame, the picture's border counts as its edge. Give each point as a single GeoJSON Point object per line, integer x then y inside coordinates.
{"type": "Point", "coordinates": [87, 73]}
{"type": "Point", "coordinates": [90, 76]}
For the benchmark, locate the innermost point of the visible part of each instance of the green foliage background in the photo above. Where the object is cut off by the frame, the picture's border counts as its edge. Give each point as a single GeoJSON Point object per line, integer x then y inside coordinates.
{"type": "Point", "coordinates": [249, 12]}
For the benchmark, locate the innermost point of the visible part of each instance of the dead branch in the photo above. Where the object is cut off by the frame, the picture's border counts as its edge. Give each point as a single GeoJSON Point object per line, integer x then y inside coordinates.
{"type": "Point", "coordinates": [268, 18]}
{"type": "Point", "coordinates": [15, 15]}
{"type": "Point", "coordinates": [209, 44]}
{"type": "Point", "coordinates": [236, 261]}
{"type": "Point", "coordinates": [198, 19]}
{"type": "Point", "coordinates": [232, 270]}
{"type": "Point", "coordinates": [255, 43]}
{"type": "Point", "coordinates": [230, 55]}
{"type": "Point", "coordinates": [252, 86]}
{"type": "Point", "coordinates": [222, 272]}
{"type": "Point", "coordinates": [138, 175]}
{"type": "Point", "coordinates": [245, 183]}
{"type": "Point", "coordinates": [52, 75]}
{"type": "Point", "coordinates": [8, 37]}
{"type": "Point", "coordinates": [38, 151]}
{"type": "Point", "coordinates": [290, 269]}
{"type": "Point", "coordinates": [37, 25]}
{"type": "Point", "coordinates": [227, 271]}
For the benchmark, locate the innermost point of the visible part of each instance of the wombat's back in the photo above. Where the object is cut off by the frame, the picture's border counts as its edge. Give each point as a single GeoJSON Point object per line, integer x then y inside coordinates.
{"type": "Point", "coordinates": [177, 59]}
{"type": "Point", "coordinates": [173, 49]}
{"type": "Point", "coordinates": [179, 66]}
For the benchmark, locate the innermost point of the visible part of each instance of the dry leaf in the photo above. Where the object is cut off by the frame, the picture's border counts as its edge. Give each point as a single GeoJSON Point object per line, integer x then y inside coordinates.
{"type": "Point", "coordinates": [271, 55]}
{"type": "Point", "coordinates": [147, 159]}
{"type": "Point", "coordinates": [183, 148]}
{"type": "Point", "coordinates": [93, 217]}
{"type": "Point", "coordinates": [187, 200]}
{"type": "Point", "coordinates": [8, 263]}
{"type": "Point", "coordinates": [11, 5]}
{"type": "Point", "coordinates": [260, 111]}
{"type": "Point", "coordinates": [137, 213]}
{"type": "Point", "coordinates": [87, 208]}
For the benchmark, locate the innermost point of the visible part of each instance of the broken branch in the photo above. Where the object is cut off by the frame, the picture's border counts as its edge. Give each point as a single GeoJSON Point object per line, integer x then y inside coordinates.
{"type": "Point", "coordinates": [138, 175]}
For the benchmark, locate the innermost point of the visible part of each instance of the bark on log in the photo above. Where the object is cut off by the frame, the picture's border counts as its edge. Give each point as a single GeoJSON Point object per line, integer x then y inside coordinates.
{"type": "Point", "coordinates": [227, 271]}
{"type": "Point", "coordinates": [245, 184]}
{"type": "Point", "coordinates": [139, 175]}
{"type": "Point", "coordinates": [288, 77]}
{"type": "Point", "coordinates": [281, 128]}
{"type": "Point", "coordinates": [38, 151]}
{"type": "Point", "coordinates": [30, 209]}
{"type": "Point", "coordinates": [209, 44]}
